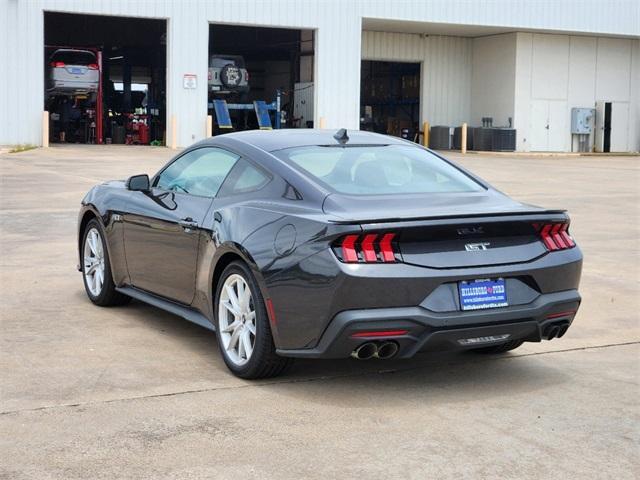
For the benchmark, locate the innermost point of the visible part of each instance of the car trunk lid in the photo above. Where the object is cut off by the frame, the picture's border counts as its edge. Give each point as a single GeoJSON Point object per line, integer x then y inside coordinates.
{"type": "Point", "coordinates": [364, 208]}
{"type": "Point", "coordinates": [452, 231]}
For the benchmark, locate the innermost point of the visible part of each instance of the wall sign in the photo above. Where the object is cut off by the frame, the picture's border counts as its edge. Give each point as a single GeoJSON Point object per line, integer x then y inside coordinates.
{"type": "Point", "coordinates": [190, 81]}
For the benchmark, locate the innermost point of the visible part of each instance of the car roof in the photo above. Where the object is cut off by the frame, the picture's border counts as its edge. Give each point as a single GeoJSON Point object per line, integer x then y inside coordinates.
{"type": "Point", "coordinates": [272, 140]}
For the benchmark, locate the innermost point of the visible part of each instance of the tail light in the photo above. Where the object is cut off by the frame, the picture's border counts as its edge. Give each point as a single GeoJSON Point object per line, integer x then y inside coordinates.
{"type": "Point", "coordinates": [93, 66]}
{"type": "Point", "coordinates": [555, 236]}
{"type": "Point", "coordinates": [367, 248]}
{"type": "Point", "coordinates": [57, 64]}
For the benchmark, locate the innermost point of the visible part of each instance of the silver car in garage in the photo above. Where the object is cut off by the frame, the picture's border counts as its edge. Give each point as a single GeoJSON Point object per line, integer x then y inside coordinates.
{"type": "Point", "coordinates": [73, 72]}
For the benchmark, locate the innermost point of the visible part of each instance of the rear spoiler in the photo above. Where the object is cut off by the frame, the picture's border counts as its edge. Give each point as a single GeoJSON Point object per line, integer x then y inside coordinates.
{"type": "Point", "coordinates": [533, 216]}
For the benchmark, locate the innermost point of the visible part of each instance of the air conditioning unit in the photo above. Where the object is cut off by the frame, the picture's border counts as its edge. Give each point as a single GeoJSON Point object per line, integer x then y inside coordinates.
{"type": "Point", "coordinates": [440, 138]}
{"type": "Point", "coordinates": [457, 138]}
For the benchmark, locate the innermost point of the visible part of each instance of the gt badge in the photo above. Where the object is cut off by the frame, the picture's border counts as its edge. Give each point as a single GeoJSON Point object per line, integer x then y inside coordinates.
{"type": "Point", "coordinates": [476, 247]}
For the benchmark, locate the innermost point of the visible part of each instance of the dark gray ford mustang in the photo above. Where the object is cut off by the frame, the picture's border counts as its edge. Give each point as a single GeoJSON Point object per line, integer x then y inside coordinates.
{"type": "Point", "coordinates": [318, 244]}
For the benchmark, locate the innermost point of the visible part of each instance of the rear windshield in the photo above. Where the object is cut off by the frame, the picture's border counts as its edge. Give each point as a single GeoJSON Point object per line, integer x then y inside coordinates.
{"type": "Point", "coordinates": [74, 57]}
{"type": "Point", "coordinates": [219, 62]}
{"type": "Point", "coordinates": [384, 169]}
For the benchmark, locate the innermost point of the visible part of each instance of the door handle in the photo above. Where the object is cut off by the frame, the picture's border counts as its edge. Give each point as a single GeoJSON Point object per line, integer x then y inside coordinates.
{"type": "Point", "coordinates": [188, 224]}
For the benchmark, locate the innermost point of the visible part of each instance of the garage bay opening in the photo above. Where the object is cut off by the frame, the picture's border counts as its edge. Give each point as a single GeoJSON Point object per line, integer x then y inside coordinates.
{"type": "Point", "coordinates": [105, 79]}
{"type": "Point", "coordinates": [390, 98]}
{"type": "Point", "coordinates": [260, 78]}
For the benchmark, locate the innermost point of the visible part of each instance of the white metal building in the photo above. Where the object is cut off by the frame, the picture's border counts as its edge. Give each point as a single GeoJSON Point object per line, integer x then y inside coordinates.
{"type": "Point", "coordinates": [524, 61]}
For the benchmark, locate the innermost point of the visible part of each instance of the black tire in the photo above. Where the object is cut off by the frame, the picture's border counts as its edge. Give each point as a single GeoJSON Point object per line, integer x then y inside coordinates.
{"type": "Point", "coordinates": [502, 348]}
{"type": "Point", "coordinates": [108, 296]}
{"type": "Point", "coordinates": [264, 361]}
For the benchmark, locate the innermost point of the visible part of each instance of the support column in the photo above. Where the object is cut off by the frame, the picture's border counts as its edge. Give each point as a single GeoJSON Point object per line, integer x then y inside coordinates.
{"type": "Point", "coordinates": [187, 53]}
{"type": "Point", "coordinates": [45, 129]}
{"type": "Point", "coordinates": [337, 71]}
{"type": "Point", "coordinates": [126, 83]}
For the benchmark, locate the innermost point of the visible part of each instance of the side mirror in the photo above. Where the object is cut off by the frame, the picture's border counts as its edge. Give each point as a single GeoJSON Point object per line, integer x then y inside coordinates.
{"type": "Point", "coordinates": [139, 183]}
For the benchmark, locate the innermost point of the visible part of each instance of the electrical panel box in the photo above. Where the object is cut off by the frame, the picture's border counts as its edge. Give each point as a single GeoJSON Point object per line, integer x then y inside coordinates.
{"type": "Point", "coordinates": [582, 120]}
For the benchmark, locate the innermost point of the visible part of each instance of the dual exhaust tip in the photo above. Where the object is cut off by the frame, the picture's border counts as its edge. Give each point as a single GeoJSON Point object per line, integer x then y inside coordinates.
{"type": "Point", "coordinates": [386, 350]}
{"type": "Point", "coordinates": [556, 330]}
{"type": "Point", "coordinates": [368, 350]}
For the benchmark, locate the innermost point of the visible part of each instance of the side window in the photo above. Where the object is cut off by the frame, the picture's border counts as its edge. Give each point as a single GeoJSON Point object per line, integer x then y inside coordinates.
{"type": "Point", "coordinates": [198, 172]}
{"type": "Point", "coordinates": [244, 178]}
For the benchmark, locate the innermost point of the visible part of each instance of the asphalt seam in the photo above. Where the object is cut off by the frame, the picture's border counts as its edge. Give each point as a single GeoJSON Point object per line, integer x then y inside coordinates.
{"type": "Point", "coordinates": [299, 380]}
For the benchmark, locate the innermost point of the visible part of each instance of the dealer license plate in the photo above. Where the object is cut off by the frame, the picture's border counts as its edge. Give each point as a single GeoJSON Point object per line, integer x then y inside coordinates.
{"type": "Point", "coordinates": [479, 294]}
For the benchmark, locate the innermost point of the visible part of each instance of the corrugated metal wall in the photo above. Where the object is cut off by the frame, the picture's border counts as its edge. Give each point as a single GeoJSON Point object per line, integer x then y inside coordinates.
{"type": "Point", "coordinates": [446, 70]}
{"type": "Point", "coordinates": [609, 17]}
{"type": "Point", "coordinates": [338, 25]}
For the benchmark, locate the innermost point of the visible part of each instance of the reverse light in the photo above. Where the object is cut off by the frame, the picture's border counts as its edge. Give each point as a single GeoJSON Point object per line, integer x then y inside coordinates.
{"type": "Point", "coordinates": [555, 235]}
{"type": "Point", "coordinates": [368, 248]}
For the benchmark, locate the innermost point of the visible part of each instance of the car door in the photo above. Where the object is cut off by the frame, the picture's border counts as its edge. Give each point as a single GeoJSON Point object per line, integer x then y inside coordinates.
{"type": "Point", "coordinates": [162, 227]}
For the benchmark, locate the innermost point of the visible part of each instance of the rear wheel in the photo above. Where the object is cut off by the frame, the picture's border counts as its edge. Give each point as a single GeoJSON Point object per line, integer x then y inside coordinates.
{"type": "Point", "coordinates": [242, 326]}
{"type": "Point", "coordinates": [502, 348]}
{"type": "Point", "coordinates": [96, 270]}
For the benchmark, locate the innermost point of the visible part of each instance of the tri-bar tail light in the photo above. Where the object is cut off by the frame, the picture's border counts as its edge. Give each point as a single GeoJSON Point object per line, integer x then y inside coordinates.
{"type": "Point", "coordinates": [368, 248]}
{"type": "Point", "coordinates": [555, 236]}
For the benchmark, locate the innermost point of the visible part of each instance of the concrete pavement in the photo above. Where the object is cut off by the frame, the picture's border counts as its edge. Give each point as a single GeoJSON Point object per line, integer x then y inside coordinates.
{"type": "Point", "coordinates": [126, 392]}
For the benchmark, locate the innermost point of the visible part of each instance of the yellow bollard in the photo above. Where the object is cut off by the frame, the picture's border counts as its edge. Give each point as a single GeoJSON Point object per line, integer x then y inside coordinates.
{"type": "Point", "coordinates": [425, 134]}
{"type": "Point", "coordinates": [45, 129]}
{"type": "Point", "coordinates": [209, 126]}
{"type": "Point", "coordinates": [463, 139]}
{"type": "Point", "coordinates": [174, 140]}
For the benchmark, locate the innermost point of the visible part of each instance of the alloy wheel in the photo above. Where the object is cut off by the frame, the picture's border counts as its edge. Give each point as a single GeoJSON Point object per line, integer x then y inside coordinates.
{"type": "Point", "coordinates": [237, 319]}
{"type": "Point", "coordinates": [93, 262]}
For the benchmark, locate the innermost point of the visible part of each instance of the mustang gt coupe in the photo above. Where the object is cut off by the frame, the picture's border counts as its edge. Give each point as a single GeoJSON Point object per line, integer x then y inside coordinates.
{"type": "Point", "coordinates": [324, 244]}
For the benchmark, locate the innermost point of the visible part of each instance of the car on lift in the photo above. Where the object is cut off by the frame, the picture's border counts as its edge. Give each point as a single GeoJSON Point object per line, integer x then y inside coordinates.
{"type": "Point", "coordinates": [72, 72]}
{"type": "Point", "coordinates": [227, 74]}
{"type": "Point", "coordinates": [302, 243]}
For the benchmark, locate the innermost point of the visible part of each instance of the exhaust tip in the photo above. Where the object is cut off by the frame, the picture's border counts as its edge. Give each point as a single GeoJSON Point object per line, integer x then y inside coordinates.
{"type": "Point", "coordinates": [365, 351]}
{"type": "Point", "coordinates": [562, 330]}
{"type": "Point", "coordinates": [553, 331]}
{"type": "Point", "coordinates": [387, 350]}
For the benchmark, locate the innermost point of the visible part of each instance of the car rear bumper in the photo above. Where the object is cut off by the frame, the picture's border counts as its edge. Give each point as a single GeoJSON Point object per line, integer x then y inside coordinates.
{"type": "Point", "coordinates": [80, 86]}
{"type": "Point", "coordinates": [309, 298]}
{"type": "Point", "coordinates": [427, 330]}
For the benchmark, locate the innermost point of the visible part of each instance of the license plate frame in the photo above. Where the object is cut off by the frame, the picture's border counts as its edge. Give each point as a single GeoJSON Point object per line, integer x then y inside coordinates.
{"type": "Point", "coordinates": [483, 294]}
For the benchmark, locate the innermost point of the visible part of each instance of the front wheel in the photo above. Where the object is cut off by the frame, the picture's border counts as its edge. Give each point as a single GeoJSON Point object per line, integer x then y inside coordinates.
{"type": "Point", "coordinates": [96, 270]}
{"type": "Point", "coordinates": [242, 326]}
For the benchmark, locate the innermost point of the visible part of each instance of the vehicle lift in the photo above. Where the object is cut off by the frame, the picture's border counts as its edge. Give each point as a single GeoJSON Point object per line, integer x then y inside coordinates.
{"type": "Point", "coordinates": [261, 108]}
{"type": "Point", "coordinates": [99, 96]}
